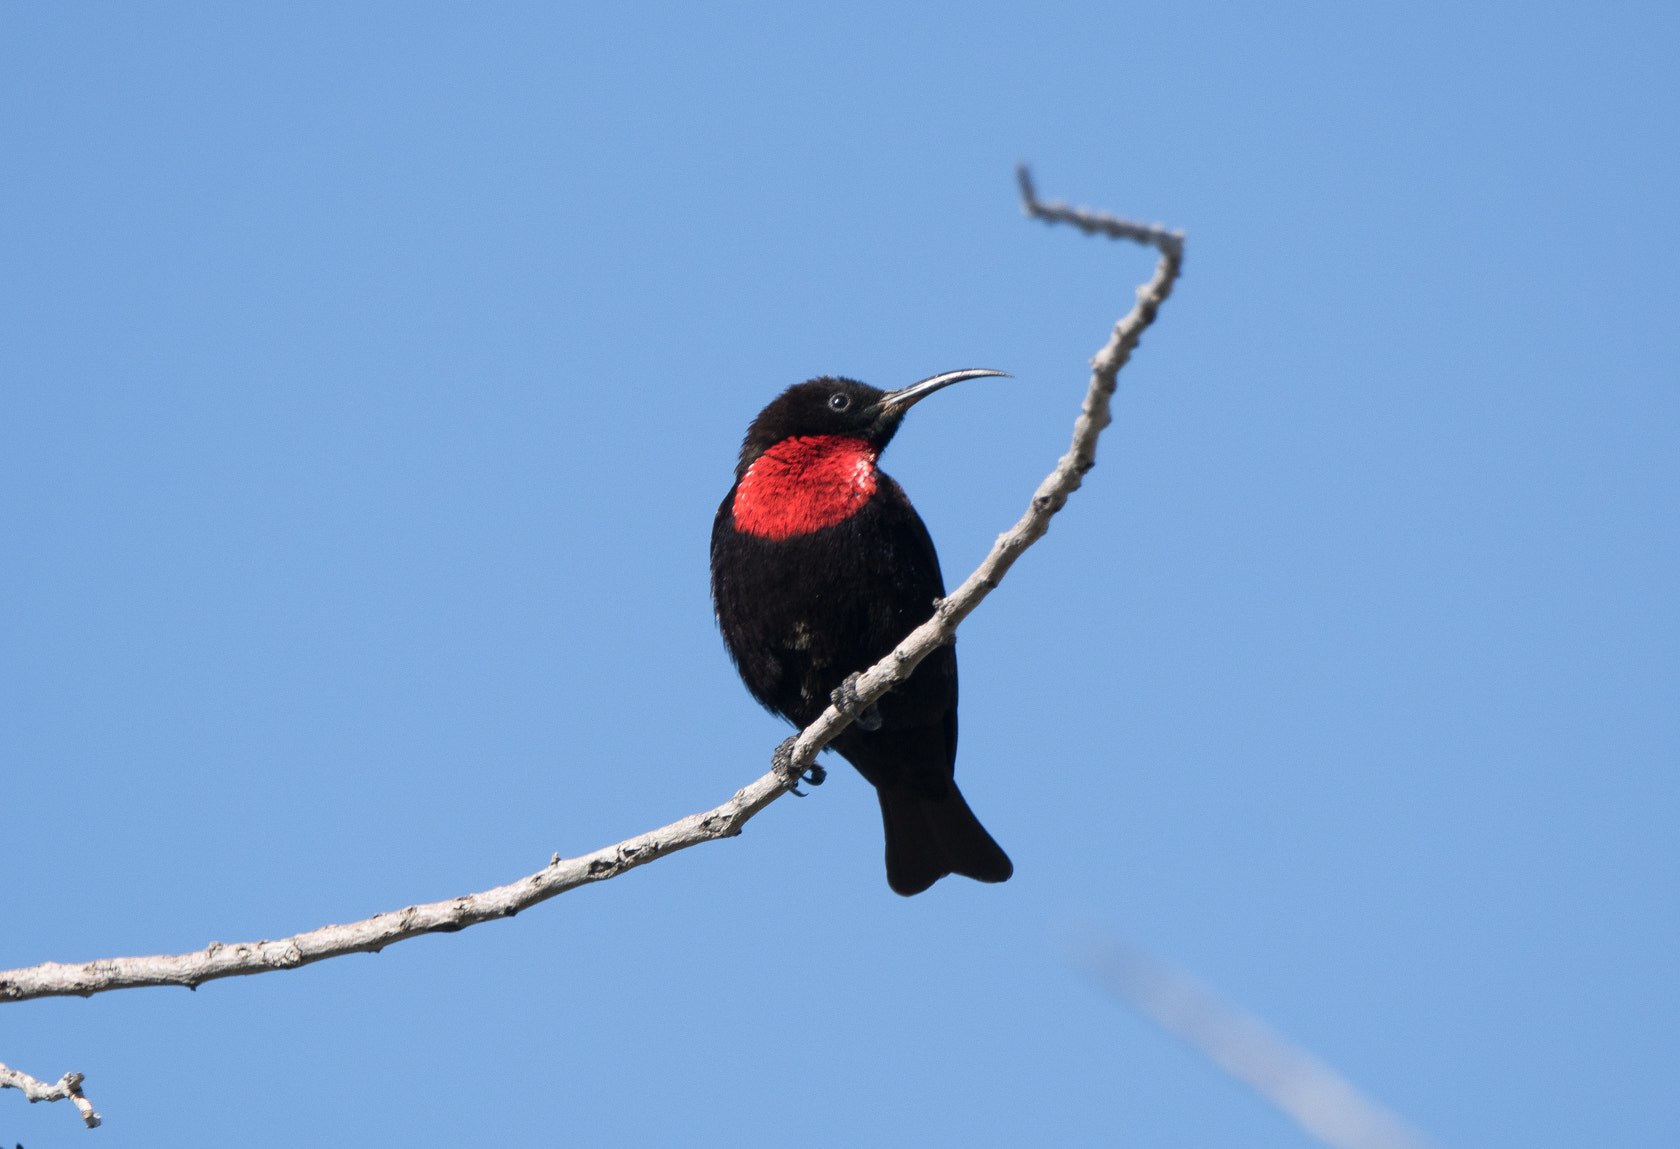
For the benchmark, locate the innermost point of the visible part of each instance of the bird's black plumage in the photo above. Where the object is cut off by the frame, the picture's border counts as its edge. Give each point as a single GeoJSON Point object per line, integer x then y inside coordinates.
{"type": "Point", "coordinates": [820, 566]}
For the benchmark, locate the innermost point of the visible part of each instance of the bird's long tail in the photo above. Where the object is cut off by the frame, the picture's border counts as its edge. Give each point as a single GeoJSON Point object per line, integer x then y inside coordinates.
{"type": "Point", "coordinates": [928, 838]}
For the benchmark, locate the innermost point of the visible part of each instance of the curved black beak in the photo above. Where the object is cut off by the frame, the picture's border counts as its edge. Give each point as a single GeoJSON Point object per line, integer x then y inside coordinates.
{"type": "Point", "coordinates": [900, 401]}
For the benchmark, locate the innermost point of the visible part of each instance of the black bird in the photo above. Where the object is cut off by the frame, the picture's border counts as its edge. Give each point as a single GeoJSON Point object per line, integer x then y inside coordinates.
{"type": "Point", "coordinates": [820, 566]}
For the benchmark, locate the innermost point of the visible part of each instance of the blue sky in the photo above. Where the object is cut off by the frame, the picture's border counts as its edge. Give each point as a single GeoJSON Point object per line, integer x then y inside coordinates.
{"type": "Point", "coordinates": [371, 375]}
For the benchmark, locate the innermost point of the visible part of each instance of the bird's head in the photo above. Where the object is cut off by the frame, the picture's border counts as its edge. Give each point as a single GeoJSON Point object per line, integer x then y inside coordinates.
{"type": "Point", "coordinates": [832, 406]}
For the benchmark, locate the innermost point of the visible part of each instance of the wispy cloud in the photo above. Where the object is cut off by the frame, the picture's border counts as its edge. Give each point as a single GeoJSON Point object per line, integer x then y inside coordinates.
{"type": "Point", "coordinates": [1319, 1099]}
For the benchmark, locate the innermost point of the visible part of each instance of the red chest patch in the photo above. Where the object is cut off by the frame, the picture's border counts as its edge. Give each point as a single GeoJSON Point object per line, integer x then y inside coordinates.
{"type": "Point", "coordinates": [804, 484]}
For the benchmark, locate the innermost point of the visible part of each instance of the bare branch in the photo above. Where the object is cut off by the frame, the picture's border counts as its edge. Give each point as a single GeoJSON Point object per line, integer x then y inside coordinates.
{"type": "Point", "coordinates": [1315, 1096]}
{"type": "Point", "coordinates": [52, 979]}
{"type": "Point", "coordinates": [69, 1086]}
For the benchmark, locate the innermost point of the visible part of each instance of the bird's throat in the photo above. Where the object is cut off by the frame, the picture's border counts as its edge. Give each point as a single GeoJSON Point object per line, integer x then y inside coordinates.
{"type": "Point", "coordinates": [804, 484]}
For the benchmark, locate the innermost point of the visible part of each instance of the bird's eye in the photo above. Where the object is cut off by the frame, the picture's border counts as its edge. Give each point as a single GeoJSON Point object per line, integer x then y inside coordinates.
{"type": "Point", "coordinates": [839, 401]}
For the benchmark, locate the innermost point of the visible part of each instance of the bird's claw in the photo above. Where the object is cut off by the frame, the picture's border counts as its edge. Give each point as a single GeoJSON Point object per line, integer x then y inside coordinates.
{"type": "Point", "coordinates": [781, 761]}
{"type": "Point", "coordinates": [846, 700]}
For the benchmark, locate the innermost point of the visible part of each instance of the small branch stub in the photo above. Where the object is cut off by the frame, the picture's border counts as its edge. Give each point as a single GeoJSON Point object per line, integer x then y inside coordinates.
{"type": "Point", "coordinates": [67, 1088]}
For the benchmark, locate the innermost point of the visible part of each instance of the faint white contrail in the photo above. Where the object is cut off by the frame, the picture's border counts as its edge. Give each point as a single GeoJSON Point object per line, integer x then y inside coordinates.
{"type": "Point", "coordinates": [1316, 1096]}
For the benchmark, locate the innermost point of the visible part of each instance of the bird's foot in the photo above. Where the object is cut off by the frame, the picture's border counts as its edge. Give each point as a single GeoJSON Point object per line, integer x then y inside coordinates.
{"type": "Point", "coordinates": [782, 763]}
{"type": "Point", "coordinates": [846, 700]}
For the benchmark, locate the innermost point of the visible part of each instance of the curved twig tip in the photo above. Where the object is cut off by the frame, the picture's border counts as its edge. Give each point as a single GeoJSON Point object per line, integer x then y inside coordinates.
{"type": "Point", "coordinates": [1029, 197]}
